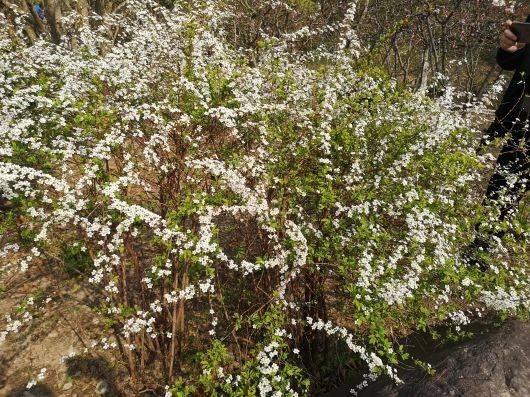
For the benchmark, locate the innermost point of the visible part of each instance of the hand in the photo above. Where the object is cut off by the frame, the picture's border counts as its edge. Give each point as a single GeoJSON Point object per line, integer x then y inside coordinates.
{"type": "Point", "coordinates": [509, 39]}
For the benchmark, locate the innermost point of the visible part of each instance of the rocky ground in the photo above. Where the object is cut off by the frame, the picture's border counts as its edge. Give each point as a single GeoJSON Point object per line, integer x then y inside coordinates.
{"type": "Point", "coordinates": [494, 364]}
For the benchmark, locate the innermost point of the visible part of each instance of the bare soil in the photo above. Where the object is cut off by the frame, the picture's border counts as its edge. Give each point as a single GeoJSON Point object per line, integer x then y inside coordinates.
{"type": "Point", "coordinates": [58, 338]}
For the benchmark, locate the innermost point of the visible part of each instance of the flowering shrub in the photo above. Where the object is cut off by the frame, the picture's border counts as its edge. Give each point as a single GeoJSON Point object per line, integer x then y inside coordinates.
{"type": "Point", "coordinates": [236, 220]}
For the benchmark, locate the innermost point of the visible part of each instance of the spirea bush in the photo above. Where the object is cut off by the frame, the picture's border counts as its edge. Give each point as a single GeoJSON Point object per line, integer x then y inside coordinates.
{"type": "Point", "coordinates": [246, 228]}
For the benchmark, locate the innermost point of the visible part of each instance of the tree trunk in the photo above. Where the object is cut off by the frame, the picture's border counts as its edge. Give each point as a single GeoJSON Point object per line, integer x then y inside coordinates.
{"type": "Point", "coordinates": [424, 77]}
{"type": "Point", "coordinates": [53, 16]}
{"type": "Point", "coordinates": [99, 7]}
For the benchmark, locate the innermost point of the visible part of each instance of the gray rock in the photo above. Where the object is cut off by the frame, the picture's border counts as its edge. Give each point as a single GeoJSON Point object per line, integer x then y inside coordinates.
{"type": "Point", "coordinates": [495, 364]}
{"type": "Point", "coordinates": [102, 388]}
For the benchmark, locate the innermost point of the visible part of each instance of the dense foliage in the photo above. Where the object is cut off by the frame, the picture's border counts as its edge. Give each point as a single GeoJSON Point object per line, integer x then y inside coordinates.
{"type": "Point", "coordinates": [247, 225]}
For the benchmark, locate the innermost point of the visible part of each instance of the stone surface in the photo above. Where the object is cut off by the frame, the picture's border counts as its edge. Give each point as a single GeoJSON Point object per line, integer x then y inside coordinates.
{"type": "Point", "coordinates": [496, 364]}
{"type": "Point", "coordinates": [102, 388]}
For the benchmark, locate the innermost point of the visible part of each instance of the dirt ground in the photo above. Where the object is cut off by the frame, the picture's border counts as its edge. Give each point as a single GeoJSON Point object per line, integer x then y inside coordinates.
{"type": "Point", "coordinates": [58, 338]}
